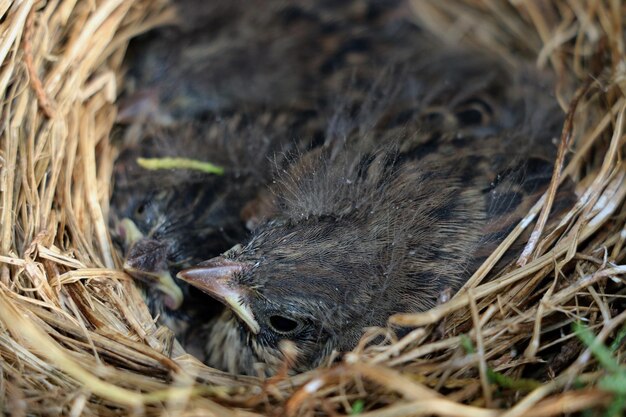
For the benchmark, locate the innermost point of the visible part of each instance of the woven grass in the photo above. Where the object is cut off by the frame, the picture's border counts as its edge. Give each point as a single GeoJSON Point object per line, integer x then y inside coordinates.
{"type": "Point", "coordinates": [544, 338]}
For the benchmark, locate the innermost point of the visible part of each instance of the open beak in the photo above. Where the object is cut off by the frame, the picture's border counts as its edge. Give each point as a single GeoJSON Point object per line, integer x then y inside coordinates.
{"type": "Point", "coordinates": [128, 231]}
{"type": "Point", "coordinates": [146, 261]}
{"type": "Point", "coordinates": [161, 280]}
{"type": "Point", "coordinates": [215, 277]}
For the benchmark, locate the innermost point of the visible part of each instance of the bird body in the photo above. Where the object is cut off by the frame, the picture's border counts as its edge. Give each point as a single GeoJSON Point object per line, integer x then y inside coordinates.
{"type": "Point", "coordinates": [376, 223]}
{"type": "Point", "coordinates": [390, 166]}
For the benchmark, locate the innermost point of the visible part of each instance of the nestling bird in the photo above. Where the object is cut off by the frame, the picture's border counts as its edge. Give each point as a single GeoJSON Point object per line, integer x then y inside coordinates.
{"type": "Point", "coordinates": [166, 220]}
{"type": "Point", "coordinates": [382, 218]}
{"type": "Point", "coordinates": [409, 162]}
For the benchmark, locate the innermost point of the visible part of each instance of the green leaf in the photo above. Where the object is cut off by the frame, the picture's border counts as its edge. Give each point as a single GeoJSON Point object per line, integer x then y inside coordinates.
{"type": "Point", "coordinates": [357, 407]}
{"type": "Point", "coordinates": [617, 407]}
{"type": "Point", "coordinates": [615, 383]}
{"type": "Point", "coordinates": [504, 381]}
{"type": "Point", "coordinates": [619, 338]}
{"type": "Point", "coordinates": [466, 344]}
{"type": "Point", "coordinates": [601, 352]}
{"type": "Point", "coordinates": [180, 163]}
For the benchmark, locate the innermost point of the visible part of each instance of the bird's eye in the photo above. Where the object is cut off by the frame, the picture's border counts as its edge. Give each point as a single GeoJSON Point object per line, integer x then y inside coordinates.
{"type": "Point", "coordinates": [141, 209]}
{"type": "Point", "coordinates": [282, 324]}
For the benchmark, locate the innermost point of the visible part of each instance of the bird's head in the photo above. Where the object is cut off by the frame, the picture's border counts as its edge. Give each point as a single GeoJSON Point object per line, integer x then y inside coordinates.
{"type": "Point", "coordinates": [307, 285]}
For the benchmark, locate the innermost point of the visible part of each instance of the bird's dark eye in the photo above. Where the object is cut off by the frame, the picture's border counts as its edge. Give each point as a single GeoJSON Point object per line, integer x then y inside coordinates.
{"type": "Point", "coordinates": [282, 324]}
{"type": "Point", "coordinates": [141, 209]}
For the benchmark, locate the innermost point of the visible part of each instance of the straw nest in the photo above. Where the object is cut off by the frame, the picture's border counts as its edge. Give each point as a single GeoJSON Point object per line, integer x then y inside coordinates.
{"type": "Point", "coordinates": [544, 338]}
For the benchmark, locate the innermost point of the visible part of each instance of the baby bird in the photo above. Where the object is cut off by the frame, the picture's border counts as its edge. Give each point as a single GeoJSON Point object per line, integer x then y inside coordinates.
{"type": "Point", "coordinates": [405, 199]}
{"type": "Point", "coordinates": [167, 220]}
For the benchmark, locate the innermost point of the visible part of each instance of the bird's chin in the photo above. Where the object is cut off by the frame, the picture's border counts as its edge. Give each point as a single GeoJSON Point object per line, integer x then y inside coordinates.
{"type": "Point", "coordinates": [231, 348]}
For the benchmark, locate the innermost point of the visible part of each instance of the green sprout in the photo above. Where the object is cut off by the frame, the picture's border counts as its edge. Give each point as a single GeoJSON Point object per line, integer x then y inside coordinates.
{"type": "Point", "coordinates": [357, 407]}
{"type": "Point", "coordinates": [180, 163]}
{"type": "Point", "coordinates": [498, 378]}
{"type": "Point", "coordinates": [615, 379]}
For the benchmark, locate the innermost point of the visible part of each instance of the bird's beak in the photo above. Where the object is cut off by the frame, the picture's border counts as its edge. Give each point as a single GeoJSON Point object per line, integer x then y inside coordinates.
{"type": "Point", "coordinates": [129, 232]}
{"type": "Point", "coordinates": [141, 264]}
{"type": "Point", "coordinates": [215, 277]}
{"type": "Point", "coordinates": [162, 280]}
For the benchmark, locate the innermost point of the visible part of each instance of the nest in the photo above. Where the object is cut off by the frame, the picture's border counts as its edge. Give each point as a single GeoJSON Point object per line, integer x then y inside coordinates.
{"type": "Point", "coordinates": [544, 338]}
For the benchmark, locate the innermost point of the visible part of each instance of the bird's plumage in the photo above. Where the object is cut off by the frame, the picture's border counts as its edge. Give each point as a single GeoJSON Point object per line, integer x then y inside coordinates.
{"type": "Point", "coordinates": [383, 168]}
